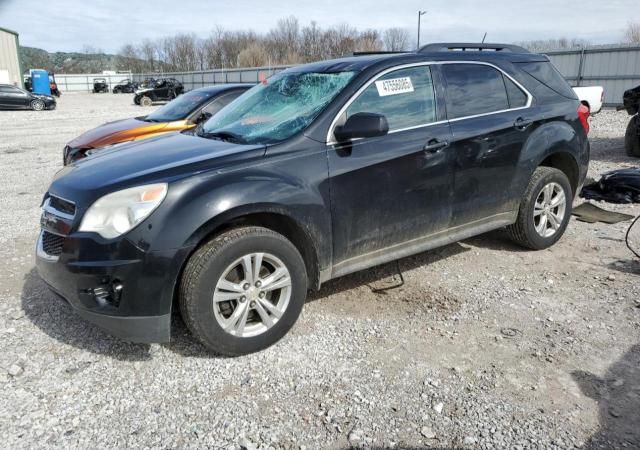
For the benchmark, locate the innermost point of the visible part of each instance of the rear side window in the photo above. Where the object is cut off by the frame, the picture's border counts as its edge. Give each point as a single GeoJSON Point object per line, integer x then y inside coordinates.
{"type": "Point", "coordinates": [405, 97]}
{"type": "Point", "coordinates": [546, 74]}
{"type": "Point", "coordinates": [517, 97]}
{"type": "Point", "coordinates": [474, 89]}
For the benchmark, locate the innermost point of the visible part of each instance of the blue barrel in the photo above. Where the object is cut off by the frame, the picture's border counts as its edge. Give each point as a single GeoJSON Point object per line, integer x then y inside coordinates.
{"type": "Point", "coordinates": [40, 81]}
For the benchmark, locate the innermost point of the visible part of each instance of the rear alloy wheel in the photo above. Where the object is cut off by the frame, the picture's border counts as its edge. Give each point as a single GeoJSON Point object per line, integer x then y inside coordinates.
{"type": "Point", "coordinates": [146, 101]}
{"type": "Point", "coordinates": [242, 291]}
{"type": "Point", "coordinates": [632, 137]}
{"type": "Point", "coordinates": [37, 105]}
{"type": "Point", "coordinates": [544, 211]}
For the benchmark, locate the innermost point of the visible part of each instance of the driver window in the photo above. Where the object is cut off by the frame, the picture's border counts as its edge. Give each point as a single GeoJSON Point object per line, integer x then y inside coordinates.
{"type": "Point", "coordinates": [405, 97]}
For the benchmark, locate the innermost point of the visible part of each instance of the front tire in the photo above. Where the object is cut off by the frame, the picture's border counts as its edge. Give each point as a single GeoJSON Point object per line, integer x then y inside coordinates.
{"type": "Point", "coordinates": [146, 101]}
{"type": "Point", "coordinates": [632, 138]}
{"type": "Point", "coordinates": [544, 211]}
{"type": "Point", "coordinates": [37, 105]}
{"type": "Point", "coordinates": [242, 291]}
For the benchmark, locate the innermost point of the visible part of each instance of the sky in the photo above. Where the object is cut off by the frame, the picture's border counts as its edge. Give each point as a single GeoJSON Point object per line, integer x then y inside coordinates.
{"type": "Point", "coordinates": [70, 25]}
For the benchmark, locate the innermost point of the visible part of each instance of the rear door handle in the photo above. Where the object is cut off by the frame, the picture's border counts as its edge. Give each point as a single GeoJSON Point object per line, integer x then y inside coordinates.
{"type": "Point", "coordinates": [522, 124]}
{"type": "Point", "coordinates": [434, 146]}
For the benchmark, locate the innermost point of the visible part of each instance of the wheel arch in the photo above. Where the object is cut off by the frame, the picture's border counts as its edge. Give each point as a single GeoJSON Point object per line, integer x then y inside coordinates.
{"type": "Point", "coordinates": [567, 164]}
{"type": "Point", "coordinates": [271, 217]}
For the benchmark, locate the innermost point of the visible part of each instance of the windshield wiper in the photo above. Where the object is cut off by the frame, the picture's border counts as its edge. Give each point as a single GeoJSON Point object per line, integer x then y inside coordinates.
{"type": "Point", "coordinates": [228, 136]}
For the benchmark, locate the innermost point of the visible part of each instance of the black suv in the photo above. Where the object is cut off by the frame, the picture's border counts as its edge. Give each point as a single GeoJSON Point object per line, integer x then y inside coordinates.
{"type": "Point", "coordinates": [322, 170]}
{"type": "Point", "coordinates": [164, 89]}
{"type": "Point", "coordinates": [125, 87]}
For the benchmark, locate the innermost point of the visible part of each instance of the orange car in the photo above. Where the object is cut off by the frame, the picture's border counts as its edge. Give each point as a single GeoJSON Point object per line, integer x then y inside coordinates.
{"type": "Point", "coordinates": [179, 114]}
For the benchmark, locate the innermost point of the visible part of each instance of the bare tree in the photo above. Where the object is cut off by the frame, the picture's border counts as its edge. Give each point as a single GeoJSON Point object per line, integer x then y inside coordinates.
{"type": "Point", "coordinates": [312, 45]}
{"type": "Point", "coordinates": [396, 39]}
{"type": "Point", "coordinates": [546, 45]}
{"type": "Point", "coordinates": [369, 41]}
{"type": "Point", "coordinates": [632, 33]}
{"type": "Point", "coordinates": [253, 56]}
{"type": "Point", "coordinates": [286, 43]}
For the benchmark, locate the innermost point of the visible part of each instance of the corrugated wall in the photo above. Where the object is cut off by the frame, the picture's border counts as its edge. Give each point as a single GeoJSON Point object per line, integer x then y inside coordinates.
{"type": "Point", "coordinates": [9, 59]}
{"type": "Point", "coordinates": [616, 69]}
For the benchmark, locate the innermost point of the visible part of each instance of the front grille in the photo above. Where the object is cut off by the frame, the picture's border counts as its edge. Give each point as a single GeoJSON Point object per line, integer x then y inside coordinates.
{"type": "Point", "coordinates": [62, 205]}
{"type": "Point", "coordinates": [52, 243]}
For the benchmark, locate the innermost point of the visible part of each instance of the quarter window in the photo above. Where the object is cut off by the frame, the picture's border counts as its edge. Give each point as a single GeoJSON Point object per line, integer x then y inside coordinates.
{"type": "Point", "coordinates": [474, 89]}
{"type": "Point", "coordinates": [517, 98]}
{"type": "Point", "coordinates": [405, 97]}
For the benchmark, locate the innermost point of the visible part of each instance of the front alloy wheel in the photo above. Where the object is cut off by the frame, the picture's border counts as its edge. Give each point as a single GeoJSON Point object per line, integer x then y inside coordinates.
{"type": "Point", "coordinates": [37, 105]}
{"type": "Point", "coordinates": [252, 294]}
{"type": "Point", "coordinates": [243, 290]}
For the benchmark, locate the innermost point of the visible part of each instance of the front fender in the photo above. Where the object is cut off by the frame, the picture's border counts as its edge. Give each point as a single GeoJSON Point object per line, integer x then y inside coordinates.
{"type": "Point", "coordinates": [197, 206]}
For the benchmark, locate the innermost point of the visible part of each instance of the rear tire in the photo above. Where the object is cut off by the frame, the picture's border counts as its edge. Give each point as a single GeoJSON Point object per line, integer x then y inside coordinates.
{"type": "Point", "coordinates": [37, 105]}
{"type": "Point", "coordinates": [231, 307]}
{"type": "Point", "coordinates": [632, 138]}
{"type": "Point", "coordinates": [146, 101]}
{"type": "Point", "coordinates": [544, 211]}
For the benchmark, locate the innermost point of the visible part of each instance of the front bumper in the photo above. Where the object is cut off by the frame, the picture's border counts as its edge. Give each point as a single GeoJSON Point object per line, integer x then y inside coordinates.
{"type": "Point", "coordinates": [117, 286]}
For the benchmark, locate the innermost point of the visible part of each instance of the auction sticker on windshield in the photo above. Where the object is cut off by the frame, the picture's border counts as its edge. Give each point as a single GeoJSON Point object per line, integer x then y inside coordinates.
{"type": "Point", "coordinates": [394, 86]}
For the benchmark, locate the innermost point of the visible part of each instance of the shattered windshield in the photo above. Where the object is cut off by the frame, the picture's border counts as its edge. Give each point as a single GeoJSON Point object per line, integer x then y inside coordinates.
{"type": "Point", "coordinates": [179, 108]}
{"type": "Point", "coordinates": [277, 108]}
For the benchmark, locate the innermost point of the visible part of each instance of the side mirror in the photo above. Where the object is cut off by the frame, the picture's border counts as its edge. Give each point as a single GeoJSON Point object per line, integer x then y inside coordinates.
{"type": "Point", "coordinates": [362, 125]}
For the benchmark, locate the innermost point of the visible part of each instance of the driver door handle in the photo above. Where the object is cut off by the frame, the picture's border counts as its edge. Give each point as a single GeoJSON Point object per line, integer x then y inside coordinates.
{"type": "Point", "coordinates": [434, 146]}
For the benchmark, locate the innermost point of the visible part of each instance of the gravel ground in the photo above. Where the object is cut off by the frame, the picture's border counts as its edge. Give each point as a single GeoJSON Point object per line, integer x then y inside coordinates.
{"type": "Point", "coordinates": [484, 346]}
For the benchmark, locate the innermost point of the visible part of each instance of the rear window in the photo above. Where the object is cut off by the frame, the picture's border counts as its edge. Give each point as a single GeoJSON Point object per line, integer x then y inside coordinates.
{"type": "Point", "coordinates": [474, 89]}
{"type": "Point", "coordinates": [548, 75]}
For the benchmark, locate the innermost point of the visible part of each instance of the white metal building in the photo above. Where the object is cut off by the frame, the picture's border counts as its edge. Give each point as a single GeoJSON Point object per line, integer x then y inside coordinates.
{"type": "Point", "coordinates": [10, 70]}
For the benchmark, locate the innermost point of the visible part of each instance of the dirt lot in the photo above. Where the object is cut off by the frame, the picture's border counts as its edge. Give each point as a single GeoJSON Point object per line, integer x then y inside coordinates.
{"type": "Point", "coordinates": [484, 346]}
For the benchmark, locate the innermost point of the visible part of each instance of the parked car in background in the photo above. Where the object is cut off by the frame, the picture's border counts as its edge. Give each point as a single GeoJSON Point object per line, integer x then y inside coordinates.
{"type": "Point", "coordinates": [125, 87]}
{"type": "Point", "coordinates": [12, 97]}
{"type": "Point", "coordinates": [631, 103]}
{"type": "Point", "coordinates": [164, 89]}
{"type": "Point", "coordinates": [100, 85]}
{"type": "Point", "coordinates": [182, 113]}
{"type": "Point", "coordinates": [591, 96]}
{"type": "Point", "coordinates": [322, 170]}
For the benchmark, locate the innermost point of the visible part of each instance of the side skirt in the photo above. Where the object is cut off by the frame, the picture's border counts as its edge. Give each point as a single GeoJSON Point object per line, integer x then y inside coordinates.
{"type": "Point", "coordinates": [418, 245]}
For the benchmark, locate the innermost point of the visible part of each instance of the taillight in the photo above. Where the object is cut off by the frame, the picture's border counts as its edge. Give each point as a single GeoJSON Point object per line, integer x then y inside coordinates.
{"type": "Point", "coordinates": [583, 115]}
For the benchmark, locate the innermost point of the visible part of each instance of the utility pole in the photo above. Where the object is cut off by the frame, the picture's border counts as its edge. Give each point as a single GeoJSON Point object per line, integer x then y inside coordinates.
{"type": "Point", "coordinates": [420, 14]}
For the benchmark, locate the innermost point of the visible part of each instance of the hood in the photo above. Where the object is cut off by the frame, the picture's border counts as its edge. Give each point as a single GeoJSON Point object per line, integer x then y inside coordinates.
{"type": "Point", "coordinates": [163, 158]}
{"type": "Point", "coordinates": [141, 90]}
{"type": "Point", "coordinates": [114, 132]}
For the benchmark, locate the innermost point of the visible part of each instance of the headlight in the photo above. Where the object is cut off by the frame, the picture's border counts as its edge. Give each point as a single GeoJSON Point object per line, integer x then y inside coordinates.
{"type": "Point", "coordinates": [117, 213]}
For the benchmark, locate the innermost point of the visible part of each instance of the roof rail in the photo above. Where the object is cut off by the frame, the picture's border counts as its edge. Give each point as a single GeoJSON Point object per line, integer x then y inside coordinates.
{"type": "Point", "coordinates": [465, 46]}
{"type": "Point", "coordinates": [377, 53]}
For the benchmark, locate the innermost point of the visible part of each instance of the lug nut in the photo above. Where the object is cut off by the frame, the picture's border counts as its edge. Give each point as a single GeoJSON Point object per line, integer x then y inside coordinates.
{"type": "Point", "coordinates": [246, 286]}
{"type": "Point", "coordinates": [258, 284]}
{"type": "Point", "coordinates": [261, 294]}
{"type": "Point", "coordinates": [252, 304]}
{"type": "Point", "coordinates": [243, 299]}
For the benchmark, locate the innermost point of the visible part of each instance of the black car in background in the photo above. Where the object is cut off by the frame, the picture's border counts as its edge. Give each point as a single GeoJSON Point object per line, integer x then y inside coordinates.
{"type": "Point", "coordinates": [125, 87]}
{"type": "Point", "coordinates": [322, 170]}
{"type": "Point", "coordinates": [12, 97]}
{"type": "Point", "coordinates": [100, 85]}
{"type": "Point", "coordinates": [162, 90]}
